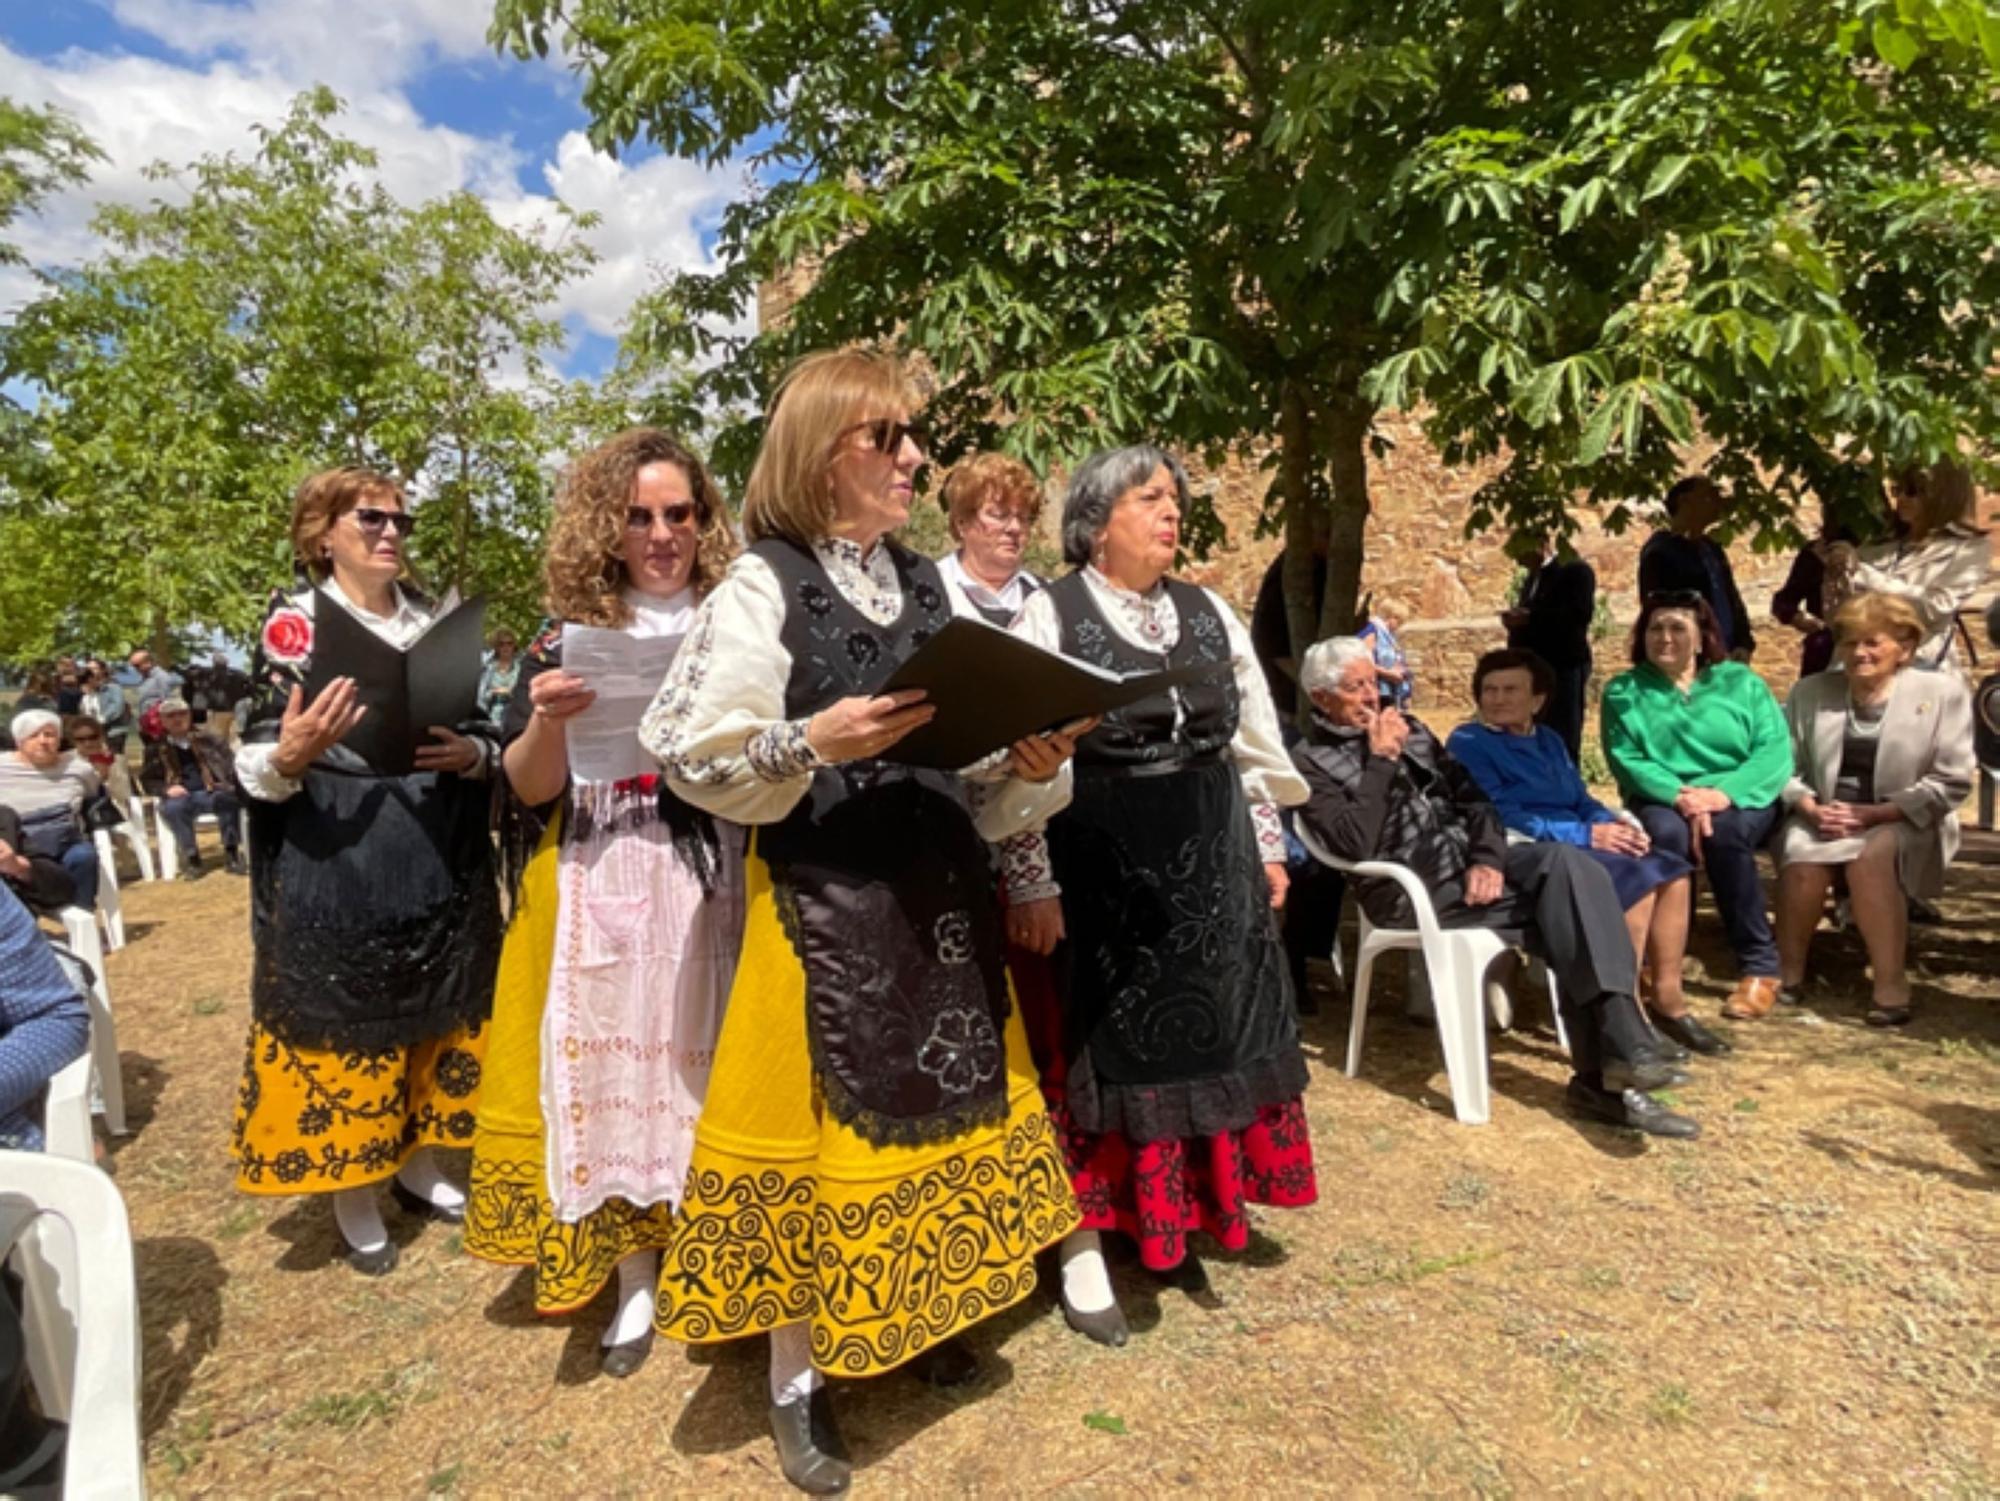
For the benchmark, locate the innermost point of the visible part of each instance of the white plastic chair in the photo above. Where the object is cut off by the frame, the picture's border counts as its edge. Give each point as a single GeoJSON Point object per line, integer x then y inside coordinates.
{"type": "Point", "coordinates": [80, 930]}
{"type": "Point", "coordinates": [66, 1114]}
{"type": "Point", "coordinates": [110, 906]}
{"type": "Point", "coordinates": [133, 832]}
{"type": "Point", "coordinates": [64, 1230]}
{"type": "Point", "coordinates": [163, 835]}
{"type": "Point", "coordinates": [1457, 961]}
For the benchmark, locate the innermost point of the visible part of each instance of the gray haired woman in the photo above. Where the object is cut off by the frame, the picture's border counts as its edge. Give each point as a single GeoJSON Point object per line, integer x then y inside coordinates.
{"type": "Point", "coordinates": [1165, 1029]}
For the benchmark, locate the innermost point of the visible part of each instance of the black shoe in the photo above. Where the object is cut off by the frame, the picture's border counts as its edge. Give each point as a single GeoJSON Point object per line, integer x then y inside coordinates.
{"type": "Point", "coordinates": [1665, 1046]}
{"type": "Point", "coordinates": [232, 861]}
{"type": "Point", "coordinates": [949, 1364]}
{"type": "Point", "coordinates": [1190, 1276]}
{"type": "Point", "coordinates": [1643, 1073]}
{"type": "Point", "coordinates": [376, 1263]}
{"type": "Point", "coordinates": [1628, 1108]}
{"type": "Point", "coordinates": [1107, 1326]}
{"type": "Point", "coordinates": [1690, 1033]}
{"type": "Point", "coordinates": [418, 1205]}
{"type": "Point", "coordinates": [810, 1451]}
{"type": "Point", "coordinates": [623, 1360]}
{"type": "Point", "coordinates": [190, 868]}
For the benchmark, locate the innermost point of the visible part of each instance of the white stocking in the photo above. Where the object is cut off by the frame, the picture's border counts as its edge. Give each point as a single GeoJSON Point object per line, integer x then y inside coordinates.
{"type": "Point", "coordinates": [1086, 1282]}
{"type": "Point", "coordinates": [358, 1212]}
{"type": "Point", "coordinates": [638, 1276]}
{"type": "Point", "coordinates": [792, 1375]}
{"type": "Point", "coordinates": [422, 1177]}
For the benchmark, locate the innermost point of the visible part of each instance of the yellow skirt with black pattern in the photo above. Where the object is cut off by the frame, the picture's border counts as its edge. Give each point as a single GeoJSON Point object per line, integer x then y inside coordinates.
{"type": "Point", "coordinates": [791, 1216]}
{"type": "Point", "coordinates": [509, 1217]}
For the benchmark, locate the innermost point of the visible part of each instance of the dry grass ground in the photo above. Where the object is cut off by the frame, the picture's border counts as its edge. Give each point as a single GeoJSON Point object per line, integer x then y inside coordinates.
{"type": "Point", "coordinates": [1805, 1301]}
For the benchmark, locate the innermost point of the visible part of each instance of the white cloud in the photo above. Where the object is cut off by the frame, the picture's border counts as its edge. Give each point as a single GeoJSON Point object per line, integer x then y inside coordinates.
{"type": "Point", "coordinates": [140, 110]}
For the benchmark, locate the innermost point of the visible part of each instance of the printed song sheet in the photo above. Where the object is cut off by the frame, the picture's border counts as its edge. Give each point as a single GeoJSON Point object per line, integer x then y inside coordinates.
{"type": "Point", "coordinates": [625, 671]}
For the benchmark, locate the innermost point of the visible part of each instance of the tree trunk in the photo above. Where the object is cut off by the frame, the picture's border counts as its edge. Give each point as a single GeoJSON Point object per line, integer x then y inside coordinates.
{"type": "Point", "coordinates": [1305, 530]}
{"type": "Point", "coordinates": [463, 560]}
{"type": "Point", "coordinates": [162, 643]}
{"type": "Point", "coordinates": [1323, 477]}
{"type": "Point", "coordinates": [1345, 435]}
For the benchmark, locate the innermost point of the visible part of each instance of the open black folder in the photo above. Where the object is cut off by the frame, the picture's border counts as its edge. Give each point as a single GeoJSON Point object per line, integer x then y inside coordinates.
{"type": "Point", "coordinates": [991, 689]}
{"type": "Point", "coordinates": [434, 680]}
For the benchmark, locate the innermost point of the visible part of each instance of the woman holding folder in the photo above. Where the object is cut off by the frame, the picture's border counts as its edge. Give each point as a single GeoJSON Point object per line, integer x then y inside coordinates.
{"type": "Point", "coordinates": [874, 1170]}
{"type": "Point", "coordinates": [628, 905]}
{"type": "Point", "coordinates": [1165, 1029]}
{"type": "Point", "coordinates": [374, 911]}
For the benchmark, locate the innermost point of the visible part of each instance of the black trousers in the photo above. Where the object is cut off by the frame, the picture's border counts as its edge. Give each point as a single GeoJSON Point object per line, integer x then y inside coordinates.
{"type": "Point", "coordinates": [1567, 912]}
{"type": "Point", "coordinates": [1563, 713]}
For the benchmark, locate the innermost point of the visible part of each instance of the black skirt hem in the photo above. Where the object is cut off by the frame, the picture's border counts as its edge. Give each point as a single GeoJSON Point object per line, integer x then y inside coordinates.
{"type": "Point", "coordinates": [1183, 1108]}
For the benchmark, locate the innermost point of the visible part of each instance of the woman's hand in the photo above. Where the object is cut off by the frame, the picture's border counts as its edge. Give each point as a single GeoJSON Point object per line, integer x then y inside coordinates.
{"type": "Point", "coordinates": [1279, 880]}
{"type": "Point", "coordinates": [1700, 800]}
{"type": "Point", "coordinates": [308, 732]}
{"type": "Point", "coordinates": [1040, 757]}
{"type": "Point", "coordinates": [559, 695]}
{"type": "Point", "coordinates": [856, 728]}
{"type": "Point", "coordinates": [1036, 926]}
{"type": "Point", "coordinates": [13, 866]}
{"type": "Point", "coordinates": [1619, 838]}
{"type": "Point", "coordinates": [453, 752]}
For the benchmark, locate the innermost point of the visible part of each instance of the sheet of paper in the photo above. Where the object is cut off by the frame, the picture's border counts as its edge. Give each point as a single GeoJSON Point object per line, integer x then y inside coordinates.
{"type": "Point", "coordinates": [626, 672]}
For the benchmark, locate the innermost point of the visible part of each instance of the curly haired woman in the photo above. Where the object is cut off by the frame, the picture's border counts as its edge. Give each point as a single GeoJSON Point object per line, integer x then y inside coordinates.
{"type": "Point", "coordinates": [626, 918]}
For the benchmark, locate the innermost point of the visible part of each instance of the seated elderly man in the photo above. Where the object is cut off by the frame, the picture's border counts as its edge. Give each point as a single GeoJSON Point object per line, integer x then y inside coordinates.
{"type": "Point", "coordinates": [1384, 788]}
{"type": "Point", "coordinates": [192, 773]}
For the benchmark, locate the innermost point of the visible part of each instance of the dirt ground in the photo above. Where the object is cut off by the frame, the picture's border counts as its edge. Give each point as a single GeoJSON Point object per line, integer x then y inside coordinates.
{"type": "Point", "coordinates": [1805, 1301]}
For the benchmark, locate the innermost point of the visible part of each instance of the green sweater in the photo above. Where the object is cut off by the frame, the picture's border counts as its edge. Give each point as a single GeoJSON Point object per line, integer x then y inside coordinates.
{"type": "Point", "coordinates": [1726, 732]}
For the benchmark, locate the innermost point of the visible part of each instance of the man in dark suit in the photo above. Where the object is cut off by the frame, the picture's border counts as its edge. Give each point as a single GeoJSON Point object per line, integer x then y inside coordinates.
{"type": "Point", "coordinates": [1551, 618]}
{"type": "Point", "coordinates": [1681, 558]}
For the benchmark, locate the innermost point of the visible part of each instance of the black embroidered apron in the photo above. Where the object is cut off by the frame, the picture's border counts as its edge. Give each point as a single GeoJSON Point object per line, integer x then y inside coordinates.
{"type": "Point", "coordinates": [1178, 1009]}
{"type": "Point", "coordinates": [884, 887]}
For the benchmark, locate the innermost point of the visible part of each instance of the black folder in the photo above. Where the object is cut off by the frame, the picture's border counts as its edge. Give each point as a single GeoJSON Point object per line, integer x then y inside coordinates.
{"type": "Point", "coordinates": [435, 680]}
{"type": "Point", "coordinates": [991, 689]}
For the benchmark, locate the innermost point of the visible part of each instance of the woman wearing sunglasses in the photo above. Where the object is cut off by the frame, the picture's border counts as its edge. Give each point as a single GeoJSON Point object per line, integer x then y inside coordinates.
{"type": "Point", "coordinates": [874, 1170]}
{"type": "Point", "coordinates": [1701, 754]}
{"type": "Point", "coordinates": [375, 914]}
{"type": "Point", "coordinates": [627, 915]}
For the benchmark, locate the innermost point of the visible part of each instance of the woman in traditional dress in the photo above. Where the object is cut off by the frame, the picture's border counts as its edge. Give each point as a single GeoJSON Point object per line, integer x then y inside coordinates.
{"type": "Point", "coordinates": [991, 504]}
{"type": "Point", "coordinates": [874, 1170]}
{"type": "Point", "coordinates": [1168, 1044]}
{"type": "Point", "coordinates": [374, 911]}
{"type": "Point", "coordinates": [626, 919]}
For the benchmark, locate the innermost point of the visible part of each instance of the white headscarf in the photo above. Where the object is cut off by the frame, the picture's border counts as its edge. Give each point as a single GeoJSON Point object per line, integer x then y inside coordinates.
{"type": "Point", "coordinates": [33, 721]}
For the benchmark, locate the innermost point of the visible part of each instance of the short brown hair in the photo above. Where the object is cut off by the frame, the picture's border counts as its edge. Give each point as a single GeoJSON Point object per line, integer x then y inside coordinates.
{"type": "Point", "coordinates": [984, 479]}
{"type": "Point", "coordinates": [790, 492]}
{"type": "Point", "coordinates": [583, 569]}
{"type": "Point", "coordinates": [324, 498]}
{"type": "Point", "coordinates": [1541, 676]}
{"type": "Point", "coordinates": [1883, 614]}
{"type": "Point", "coordinates": [1944, 493]}
{"type": "Point", "coordinates": [1707, 628]}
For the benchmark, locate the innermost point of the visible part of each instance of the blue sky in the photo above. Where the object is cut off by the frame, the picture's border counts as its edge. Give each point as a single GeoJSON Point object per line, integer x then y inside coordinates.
{"type": "Point", "coordinates": [176, 79]}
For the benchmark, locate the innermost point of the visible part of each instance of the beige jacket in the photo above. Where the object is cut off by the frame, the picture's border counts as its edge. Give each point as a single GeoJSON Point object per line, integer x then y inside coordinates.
{"type": "Point", "coordinates": [1937, 577]}
{"type": "Point", "coordinates": [1923, 763]}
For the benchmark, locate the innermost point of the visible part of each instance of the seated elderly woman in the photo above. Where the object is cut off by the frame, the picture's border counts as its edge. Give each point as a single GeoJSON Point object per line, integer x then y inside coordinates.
{"type": "Point", "coordinates": [1884, 757]}
{"type": "Point", "coordinates": [1699, 750]}
{"type": "Point", "coordinates": [991, 504]}
{"type": "Point", "coordinates": [48, 787]}
{"type": "Point", "coordinates": [1526, 770]}
{"type": "Point", "coordinates": [1383, 788]}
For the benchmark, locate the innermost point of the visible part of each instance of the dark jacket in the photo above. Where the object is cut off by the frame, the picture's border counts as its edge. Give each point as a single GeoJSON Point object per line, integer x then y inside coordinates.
{"type": "Point", "coordinates": [47, 888]}
{"type": "Point", "coordinates": [204, 766]}
{"type": "Point", "coordinates": [1670, 563]}
{"type": "Point", "coordinates": [1560, 599]}
{"type": "Point", "coordinates": [1420, 809]}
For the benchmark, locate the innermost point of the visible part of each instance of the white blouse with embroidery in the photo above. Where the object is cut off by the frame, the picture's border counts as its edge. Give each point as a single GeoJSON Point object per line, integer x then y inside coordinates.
{"type": "Point", "coordinates": [718, 725]}
{"type": "Point", "coordinates": [255, 764]}
{"type": "Point", "coordinates": [1150, 622]}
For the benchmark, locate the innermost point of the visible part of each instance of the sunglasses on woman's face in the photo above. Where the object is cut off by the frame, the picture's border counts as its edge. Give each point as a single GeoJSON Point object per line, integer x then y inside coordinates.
{"type": "Point", "coordinates": [886, 434]}
{"type": "Point", "coordinates": [639, 519]}
{"type": "Point", "coordinates": [373, 519]}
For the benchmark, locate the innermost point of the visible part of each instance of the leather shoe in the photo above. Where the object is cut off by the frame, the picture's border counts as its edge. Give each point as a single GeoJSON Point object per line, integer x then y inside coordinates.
{"type": "Point", "coordinates": [1752, 999]}
{"type": "Point", "coordinates": [418, 1205]}
{"type": "Point", "coordinates": [1665, 1046]}
{"type": "Point", "coordinates": [1643, 1073]}
{"type": "Point", "coordinates": [379, 1262]}
{"type": "Point", "coordinates": [1627, 1108]}
{"type": "Point", "coordinates": [623, 1360]}
{"type": "Point", "coordinates": [1106, 1326]}
{"type": "Point", "coordinates": [949, 1364]}
{"type": "Point", "coordinates": [1188, 1275]}
{"type": "Point", "coordinates": [1691, 1034]}
{"type": "Point", "coordinates": [810, 1451]}
{"type": "Point", "coordinates": [232, 862]}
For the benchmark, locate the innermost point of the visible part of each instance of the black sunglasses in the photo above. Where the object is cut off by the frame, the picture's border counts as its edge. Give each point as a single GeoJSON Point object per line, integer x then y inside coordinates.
{"type": "Point", "coordinates": [373, 520]}
{"type": "Point", "coordinates": [639, 519]}
{"type": "Point", "coordinates": [887, 434]}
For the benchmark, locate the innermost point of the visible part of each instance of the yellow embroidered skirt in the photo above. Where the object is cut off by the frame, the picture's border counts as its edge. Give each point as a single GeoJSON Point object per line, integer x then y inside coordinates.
{"type": "Point", "coordinates": [317, 1120]}
{"type": "Point", "coordinates": [791, 1216]}
{"type": "Point", "coordinates": [508, 1217]}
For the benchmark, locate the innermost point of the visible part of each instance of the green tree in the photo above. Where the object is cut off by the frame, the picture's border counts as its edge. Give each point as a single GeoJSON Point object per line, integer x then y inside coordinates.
{"type": "Point", "coordinates": [1574, 236]}
{"type": "Point", "coordinates": [41, 151]}
{"type": "Point", "coordinates": [283, 313]}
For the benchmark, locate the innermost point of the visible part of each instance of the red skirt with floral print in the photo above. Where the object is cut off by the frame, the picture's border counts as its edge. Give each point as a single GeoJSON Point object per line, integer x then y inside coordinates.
{"type": "Point", "coordinates": [1159, 1192]}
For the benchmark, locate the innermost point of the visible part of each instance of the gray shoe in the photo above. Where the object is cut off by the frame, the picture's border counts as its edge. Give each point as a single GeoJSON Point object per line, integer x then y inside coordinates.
{"type": "Point", "coordinates": [810, 1451]}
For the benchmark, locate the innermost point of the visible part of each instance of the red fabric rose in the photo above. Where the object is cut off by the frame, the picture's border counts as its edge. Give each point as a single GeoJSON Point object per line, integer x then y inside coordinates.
{"type": "Point", "coordinates": [288, 636]}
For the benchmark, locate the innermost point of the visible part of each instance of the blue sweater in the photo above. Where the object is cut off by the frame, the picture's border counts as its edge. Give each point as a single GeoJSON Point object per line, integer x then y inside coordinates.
{"type": "Point", "coordinates": [44, 1024]}
{"type": "Point", "coordinates": [1531, 780]}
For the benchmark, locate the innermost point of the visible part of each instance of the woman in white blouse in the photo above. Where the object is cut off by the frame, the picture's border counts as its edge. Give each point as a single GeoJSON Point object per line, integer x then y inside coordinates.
{"type": "Point", "coordinates": [873, 1171]}
{"type": "Point", "coordinates": [1937, 564]}
{"type": "Point", "coordinates": [1169, 1046]}
{"type": "Point", "coordinates": [375, 915]}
